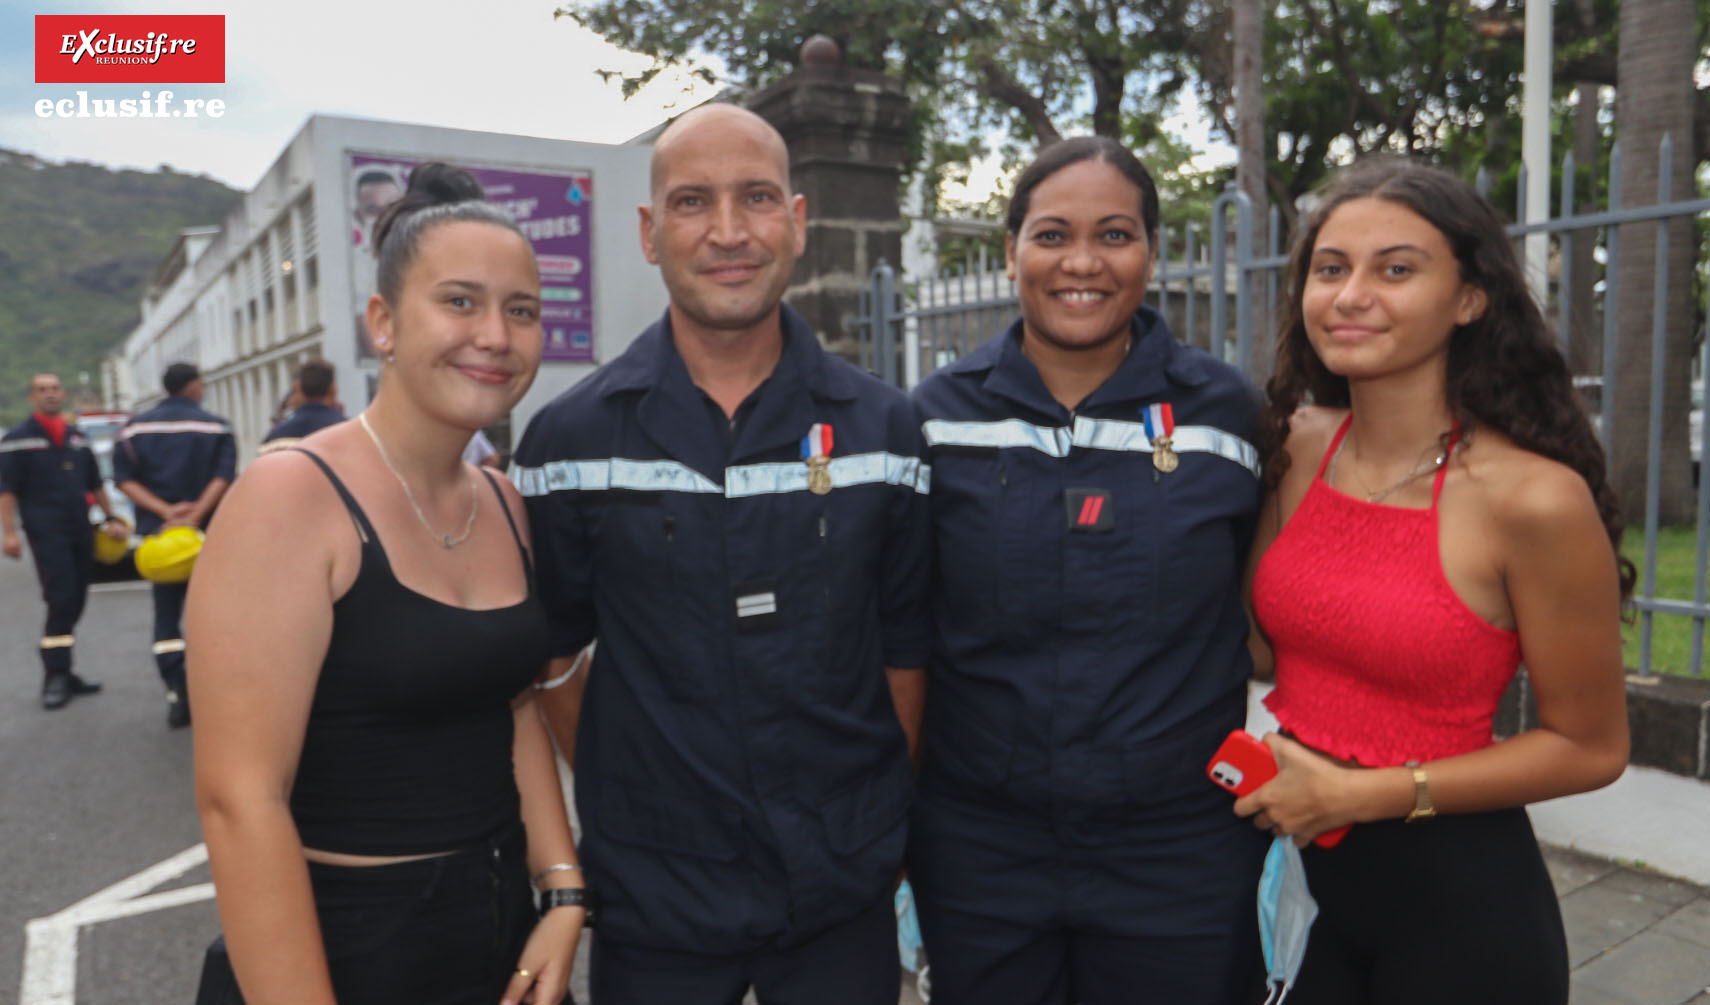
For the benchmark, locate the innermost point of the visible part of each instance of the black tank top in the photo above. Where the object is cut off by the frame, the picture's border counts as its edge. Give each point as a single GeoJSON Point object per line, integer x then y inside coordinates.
{"type": "Point", "coordinates": [408, 745]}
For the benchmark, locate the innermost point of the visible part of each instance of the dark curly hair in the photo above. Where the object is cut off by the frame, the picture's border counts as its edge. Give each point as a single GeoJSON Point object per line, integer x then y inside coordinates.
{"type": "Point", "coordinates": [1505, 370]}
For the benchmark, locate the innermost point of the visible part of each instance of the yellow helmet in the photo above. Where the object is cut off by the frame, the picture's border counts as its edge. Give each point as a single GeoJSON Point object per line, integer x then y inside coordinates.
{"type": "Point", "coordinates": [111, 550]}
{"type": "Point", "coordinates": [168, 556]}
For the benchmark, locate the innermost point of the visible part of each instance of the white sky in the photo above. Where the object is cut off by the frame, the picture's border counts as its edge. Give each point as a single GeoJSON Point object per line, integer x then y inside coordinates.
{"type": "Point", "coordinates": [499, 65]}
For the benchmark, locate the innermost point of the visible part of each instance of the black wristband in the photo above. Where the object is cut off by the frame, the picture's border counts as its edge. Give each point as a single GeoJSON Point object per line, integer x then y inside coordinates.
{"type": "Point", "coordinates": [570, 896]}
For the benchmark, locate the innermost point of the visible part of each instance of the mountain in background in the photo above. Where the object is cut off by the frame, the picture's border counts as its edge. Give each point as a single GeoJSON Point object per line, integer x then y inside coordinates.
{"type": "Point", "coordinates": [79, 244]}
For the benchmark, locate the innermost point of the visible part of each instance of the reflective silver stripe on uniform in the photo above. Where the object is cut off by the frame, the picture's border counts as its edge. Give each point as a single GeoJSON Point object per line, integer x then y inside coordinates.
{"type": "Point", "coordinates": [878, 467]}
{"type": "Point", "coordinates": [997, 435]}
{"type": "Point", "coordinates": [187, 426]}
{"type": "Point", "coordinates": [1092, 434]}
{"type": "Point", "coordinates": [58, 641]}
{"type": "Point", "coordinates": [27, 443]}
{"type": "Point", "coordinates": [1211, 440]}
{"type": "Point", "coordinates": [613, 473]}
{"type": "Point", "coordinates": [1113, 434]}
{"type": "Point", "coordinates": [283, 443]}
{"type": "Point", "coordinates": [168, 646]}
{"type": "Point", "coordinates": [741, 481]}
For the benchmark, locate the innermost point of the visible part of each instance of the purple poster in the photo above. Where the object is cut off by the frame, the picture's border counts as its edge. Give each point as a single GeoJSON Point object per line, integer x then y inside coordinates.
{"type": "Point", "coordinates": [552, 210]}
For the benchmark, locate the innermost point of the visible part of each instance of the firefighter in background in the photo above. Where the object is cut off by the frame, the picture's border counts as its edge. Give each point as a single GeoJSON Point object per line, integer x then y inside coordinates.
{"type": "Point", "coordinates": [316, 392]}
{"type": "Point", "coordinates": [174, 461]}
{"type": "Point", "coordinates": [47, 476]}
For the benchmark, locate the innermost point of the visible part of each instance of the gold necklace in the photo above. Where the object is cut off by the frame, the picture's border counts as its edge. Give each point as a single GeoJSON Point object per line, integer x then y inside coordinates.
{"type": "Point", "coordinates": [1372, 497]}
{"type": "Point", "coordinates": [474, 497]}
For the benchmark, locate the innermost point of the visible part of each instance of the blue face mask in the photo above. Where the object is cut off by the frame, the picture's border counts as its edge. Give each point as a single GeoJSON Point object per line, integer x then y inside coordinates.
{"type": "Point", "coordinates": [1286, 913]}
{"type": "Point", "coordinates": [908, 929]}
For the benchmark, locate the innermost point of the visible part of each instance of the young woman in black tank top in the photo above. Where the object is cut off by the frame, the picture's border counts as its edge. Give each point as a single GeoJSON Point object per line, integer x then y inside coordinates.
{"type": "Point", "coordinates": [375, 783]}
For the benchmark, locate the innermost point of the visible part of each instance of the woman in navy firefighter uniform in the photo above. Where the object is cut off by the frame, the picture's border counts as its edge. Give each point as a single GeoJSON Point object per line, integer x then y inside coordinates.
{"type": "Point", "coordinates": [1094, 493]}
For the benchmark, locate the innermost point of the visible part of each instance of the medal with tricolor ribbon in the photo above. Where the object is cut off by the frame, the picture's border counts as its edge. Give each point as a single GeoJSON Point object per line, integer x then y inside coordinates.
{"type": "Point", "coordinates": [1160, 423]}
{"type": "Point", "coordinates": [816, 451]}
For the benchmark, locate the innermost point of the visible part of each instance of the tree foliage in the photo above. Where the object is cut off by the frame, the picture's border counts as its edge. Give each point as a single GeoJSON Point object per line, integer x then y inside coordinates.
{"type": "Point", "coordinates": [1434, 78]}
{"type": "Point", "coordinates": [79, 244]}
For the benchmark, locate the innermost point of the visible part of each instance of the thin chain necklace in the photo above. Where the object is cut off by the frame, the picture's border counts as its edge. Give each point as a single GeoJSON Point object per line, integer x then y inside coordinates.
{"type": "Point", "coordinates": [474, 497]}
{"type": "Point", "coordinates": [1424, 467]}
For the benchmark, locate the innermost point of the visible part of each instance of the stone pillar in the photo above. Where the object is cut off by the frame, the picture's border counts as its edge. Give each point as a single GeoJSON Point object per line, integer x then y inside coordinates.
{"type": "Point", "coordinates": [847, 132]}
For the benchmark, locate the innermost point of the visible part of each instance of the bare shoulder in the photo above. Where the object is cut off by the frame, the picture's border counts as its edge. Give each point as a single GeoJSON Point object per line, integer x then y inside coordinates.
{"type": "Point", "coordinates": [281, 491]}
{"type": "Point", "coordinates": [1528, 496]}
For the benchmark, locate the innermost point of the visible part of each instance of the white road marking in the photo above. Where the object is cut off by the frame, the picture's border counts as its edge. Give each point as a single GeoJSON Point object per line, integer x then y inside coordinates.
{"type": "Point", "coordinates": [50, 943]}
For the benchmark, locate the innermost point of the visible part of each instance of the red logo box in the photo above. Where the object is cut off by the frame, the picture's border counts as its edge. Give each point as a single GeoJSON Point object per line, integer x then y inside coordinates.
{"type": "Point", "coordinates": [130, 49]}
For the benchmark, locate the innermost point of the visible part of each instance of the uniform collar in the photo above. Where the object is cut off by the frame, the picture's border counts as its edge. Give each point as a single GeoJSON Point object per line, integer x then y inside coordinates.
{"type": "Point", "coordinates": [672, 414]}
{"type": "Point", "coordinates": [31, 426]}
{"type": "Point", "coordinates": [318, 406]}
{"type": "Point", "coordinates": [1155, 364]}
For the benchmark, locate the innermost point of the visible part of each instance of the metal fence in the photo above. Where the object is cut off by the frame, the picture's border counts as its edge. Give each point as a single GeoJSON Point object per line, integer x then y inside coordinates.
{"type": "Point", "coordinates": [1221, 295]}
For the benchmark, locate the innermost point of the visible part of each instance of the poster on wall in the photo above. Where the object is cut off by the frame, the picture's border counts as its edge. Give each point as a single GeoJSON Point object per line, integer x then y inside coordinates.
{"type": "Point", "coordinates": [551, 209]}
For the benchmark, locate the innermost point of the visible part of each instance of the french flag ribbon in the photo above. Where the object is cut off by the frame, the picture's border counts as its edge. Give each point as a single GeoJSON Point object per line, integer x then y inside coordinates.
{"type": "Point", "coordinates": [817, 442]}
{"type": "Point", "coordinates": [1160, 420]}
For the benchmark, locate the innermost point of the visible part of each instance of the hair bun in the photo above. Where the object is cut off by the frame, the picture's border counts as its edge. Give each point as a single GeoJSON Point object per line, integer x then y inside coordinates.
{"type": "Point", "coordinates": [437, 182]}
{"type": "Point", "coordinates": [432, 184]}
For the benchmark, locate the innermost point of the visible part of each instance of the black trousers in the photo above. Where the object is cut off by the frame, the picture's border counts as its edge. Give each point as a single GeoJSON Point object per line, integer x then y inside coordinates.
{"type": "Point", "coordinates": [64, 563]}
{"type": "Point", "coordinates": [437, 931]}
{"type": "Point", "coordinates": [855, 963]}
{"type": "Point", "coordinates": [446, 929]}
{"type": "Point", "coordinates": [1457, 909]}
{"type": "Point", "coordinates": [169, 633]}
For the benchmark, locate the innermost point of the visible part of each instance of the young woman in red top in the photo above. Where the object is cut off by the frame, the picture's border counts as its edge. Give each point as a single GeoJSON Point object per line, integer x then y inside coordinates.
{"type": "Point", "coordinates": [1438, 514]}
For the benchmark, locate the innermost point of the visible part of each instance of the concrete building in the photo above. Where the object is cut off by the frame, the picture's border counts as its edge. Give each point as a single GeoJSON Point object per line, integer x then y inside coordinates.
{"type": "Point", "coordinates": [286, 276]}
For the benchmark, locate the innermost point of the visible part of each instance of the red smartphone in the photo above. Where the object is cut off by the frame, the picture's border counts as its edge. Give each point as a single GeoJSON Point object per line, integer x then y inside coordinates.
{"type": "Point", "coordinates": [1243, 763]}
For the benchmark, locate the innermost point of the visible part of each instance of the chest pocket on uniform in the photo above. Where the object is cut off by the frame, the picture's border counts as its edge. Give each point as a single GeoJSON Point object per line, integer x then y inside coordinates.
{"type": "Point", "coordinates": [644, 534]}
{"type": "Point", "coordinates": [1207, 506]}
{"type": "Point", "coordinates": [981, 501]}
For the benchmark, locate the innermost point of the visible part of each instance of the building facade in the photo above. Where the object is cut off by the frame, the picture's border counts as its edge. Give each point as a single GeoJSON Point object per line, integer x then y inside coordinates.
{"type": "Point", "coordinates": [286, 276]}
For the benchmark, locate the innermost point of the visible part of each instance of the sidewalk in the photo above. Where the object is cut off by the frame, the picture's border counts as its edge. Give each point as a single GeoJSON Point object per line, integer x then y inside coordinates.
{"type": "Point", "coordinates": [1634, 933]}
{"type": "Point", "coordinates": [1633, 936]}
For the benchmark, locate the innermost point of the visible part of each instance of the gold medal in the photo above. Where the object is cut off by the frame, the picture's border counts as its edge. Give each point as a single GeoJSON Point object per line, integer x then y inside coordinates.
{"type": "Point", "coordinates": [1164, 456]}
{"type": "Point", "coordinates": [819, 475]}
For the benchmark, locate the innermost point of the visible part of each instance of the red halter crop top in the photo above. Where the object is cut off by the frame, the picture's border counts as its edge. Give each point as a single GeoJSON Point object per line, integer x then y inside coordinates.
{"type": "Point", "coordinates": [1377, 659]}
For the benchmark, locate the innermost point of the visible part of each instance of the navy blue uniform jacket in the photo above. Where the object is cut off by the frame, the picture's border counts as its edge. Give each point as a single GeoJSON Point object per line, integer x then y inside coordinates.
{"type": "Point", "coordinates": [174, 449]}
{"type": "Point", "coordinates": [740, 773]}
{"type": "Point", "coordinates": [51, 483]}
{"type": "Point", "coordinates": [1088, 656]}
{"type": "Point", "coordinates": [310, 417]}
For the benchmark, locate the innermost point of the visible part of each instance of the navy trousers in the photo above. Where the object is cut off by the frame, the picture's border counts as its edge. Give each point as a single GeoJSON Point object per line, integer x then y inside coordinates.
{"type": "Point", "coordinates": [1015, 912]}
{"type": "Point", "coordinates": [169, 633]}
{"type": "Point", "coordinates": [64, 563]}
{"type": "Point", "coordinates": [855, 963]}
